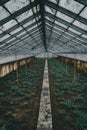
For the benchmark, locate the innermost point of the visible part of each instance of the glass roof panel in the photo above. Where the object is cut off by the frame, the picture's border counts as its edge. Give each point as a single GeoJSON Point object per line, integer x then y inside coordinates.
{"type": "Point", "coordinates": [36, 9]}
{"type": "Point", "coordinates": [72, 30]}
{"type": "Point", "coordinates": [15, 5]}
{"type": "Point", "coordinates": [11, 40]}
{"type": "Point", "coordinates": [69, 34]}
{"type": "Point", "coordinates": [8, 25]}
{"type": "Point", "coordinates": [64, 40]}
{"type": "Point", "coordinates": [28, 31]}
{"type": "Point", "coordinates": [29, 23]}
{"type": "Point", "coordinates": [36, 30]}
{"type": "Point", "coordinates": [60, 24]}
{"type": "Point", "coordinates": [32, 27]}
{"type": "Point", "coordinates": [21, 34]}
{"type": "Point", "coordinates": [39, 23]}
{"type": "Point", "coordinates": [84, 36]}
{"type": "Point", "coordinates": [64, 17]}
{"type": "Point", "coordinates": [3, 13]}
{"type": "Point", "coordinates": [32, 0]}
{"type": "Point", "coordinates": [80, 25]}
{"type": "Point", "coordinates": [80, 39]}
{"type": "Point", "coordinates": [48, 18]}
{"type": "Point", "coordinates": [54, 1]}
{"type": "Point", "coordinates": [71, 5]}
{"type": "Point", "coordinates": [16, 30]}
{"type": "Point", "coordinates": [25, 36]}
{"type": "Point", "coordinates": [24, 15]}
{"type": "Point", "coordinates": [4, 37]}
{"type": "Point", "coordinates": [50, 10]}
{"type": "Point", "coordinates": [66, 36]}
{"type": "Point", "coordinates": [49, 24]}
{"type": "Point", "coordinates": [84, 13]}
{"type": "Point", "coordinates": [75, 41]}
{"type": "Point", "coordinates": [15, 42]}
{"type": "Point", "coordinates": [55, 33]}
{"type": "Point", "coordinates": [2, 45]}
{"type": "Point", "coordinates": [28, 39]}
{"type": "Point", "coordinates": [58, 29]}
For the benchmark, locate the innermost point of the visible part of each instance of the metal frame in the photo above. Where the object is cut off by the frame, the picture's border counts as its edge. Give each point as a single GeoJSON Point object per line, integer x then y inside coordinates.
{"type": "Point", "coordinates": [44, 32]}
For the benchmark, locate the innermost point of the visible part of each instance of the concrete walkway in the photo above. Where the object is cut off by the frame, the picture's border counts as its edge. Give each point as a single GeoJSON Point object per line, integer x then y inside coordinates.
{"type": "Point", "coordinates": [45, 116]}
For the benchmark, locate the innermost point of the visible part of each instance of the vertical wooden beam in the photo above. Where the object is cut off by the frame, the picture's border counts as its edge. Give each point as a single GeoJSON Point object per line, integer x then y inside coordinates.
{"type": "Point", "coordinates": [0, 70]}
{"type": "Point", "coordinates": [74, 67]}
{"type": "Point", "coordinates": [25, 66]}
{"type": "Point", "coordinates": [31, 63]}
{"type": "Point", "coordinates": [17, 79]}
{"type": "Point", "coordinates": [66, 64]}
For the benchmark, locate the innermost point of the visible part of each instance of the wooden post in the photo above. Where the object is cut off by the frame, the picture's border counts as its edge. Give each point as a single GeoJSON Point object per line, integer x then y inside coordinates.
{"type": "Point", "coordinates": [17, 80]}
{"type": "Point", "coordinates": [66, 64]}
{"type": "Point", "coordinates": [74, 67]}
{"type": "Point", "coordinates": [31, 64]}
{"type": "Point", "coordinates": [25, 67]}
{"type": "Point", "coordinates": [0, 70]}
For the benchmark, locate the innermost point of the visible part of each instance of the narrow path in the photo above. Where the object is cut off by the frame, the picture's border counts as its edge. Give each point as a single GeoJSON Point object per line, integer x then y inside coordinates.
{"type": "Point", "coordinates": [45, 116]}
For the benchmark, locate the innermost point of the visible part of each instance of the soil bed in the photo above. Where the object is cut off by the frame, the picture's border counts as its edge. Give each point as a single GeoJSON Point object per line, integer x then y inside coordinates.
{"type": "Point", "coordinates": [68, 98]}
{"type": "Point", "coordinates": [19, 104]}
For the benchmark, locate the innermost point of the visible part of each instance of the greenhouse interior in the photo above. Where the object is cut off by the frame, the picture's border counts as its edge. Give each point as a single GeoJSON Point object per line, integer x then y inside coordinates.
{"type": "Point", "coordinates": [43, 64]}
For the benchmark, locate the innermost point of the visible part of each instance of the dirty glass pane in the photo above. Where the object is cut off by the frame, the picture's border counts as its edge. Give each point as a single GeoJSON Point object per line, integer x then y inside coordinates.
{"type": "Point", "coordinates": [61, 24]}
{"type": "Point", "coordinates": [25, 15]}
{"type": "Point", "coordinates": [58, 29]}
{"type": "Point", "coordinates": [81, 40]}
{"type": "Point", "coordinates": [16, 30]}
{"type": "Point", "coordinates": [25, 36]}
{"type": "Point", "coordinates": [15, 42]}
{"type": "Point", "coordinates": [80, 25]}
{"type": "Point", "coordinates": [72, 30]}
{"type": "Point", "coordinates": [21, 34]}
{"type": "Point", "coordinates": [64, 17]}
{"type": "Point", "coordinates": [71, 5]}
{"type": "Point", "coordinates": [29, 23]}
{"type": "Point", "coordinates": [4, 37]}
{"type": "Point", "coordinates": [84, 13]}
{"type": "Point", "coordinates": [85, 36]}
{"type": "Point", "coordinates": [15, 5]}
{"type": "Point", "coordinates": [50, 10]}
{"type": "Point", "coordinates": [54, 1]}
{"type": "Point", "coordinates": [8, 25]}
{"type": "Point", "coordinates": [3, 13]}
{"type": "Point", "coordinates": [69, 34]}
{"type": "Point", "coordinates": [11, 40]}
{"type": "Point", "coordinates": [32, 27]}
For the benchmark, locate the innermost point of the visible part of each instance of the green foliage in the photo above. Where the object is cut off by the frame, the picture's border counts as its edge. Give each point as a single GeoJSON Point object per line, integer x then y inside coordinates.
{"type": "Point", "coordinates": [19, 99]}
{"type": "Point", "coordinates": [76, 93]}
{"type": "Point", "coordinates": [67, 103]}
{"type": "Point", "coordinates": [78, 98]}
{"type": "Point", "coordinates": [33, 94]}
{"type": "Point", "coordinates": [81, 120]}
{"type": "Point", "coordinates": [1, 94]}
{"type": "Point", "coordinates": [67, 118]}
{"type": "Point", "coordinates": [18, 95]}
{"type": "Point", "coordinates": [57, 94]}
{"type": "Point", "coordinates": [3, 128]}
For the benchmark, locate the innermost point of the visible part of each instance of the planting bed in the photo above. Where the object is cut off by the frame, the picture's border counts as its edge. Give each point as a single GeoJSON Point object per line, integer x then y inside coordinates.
{"type": "Point", "coordinates": [19, 103]}
{"type": "Point", "coordinates": [68, 97]}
